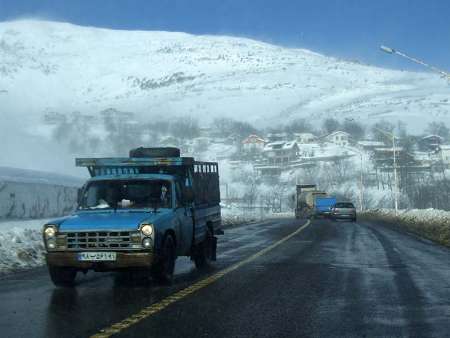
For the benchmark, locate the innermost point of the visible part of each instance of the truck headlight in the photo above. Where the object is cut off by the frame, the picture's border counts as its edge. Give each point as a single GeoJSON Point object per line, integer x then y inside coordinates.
{"type": "Point", "coordinates": [49, 231]}
{"type": "Point", "coordinates": [147, 229]}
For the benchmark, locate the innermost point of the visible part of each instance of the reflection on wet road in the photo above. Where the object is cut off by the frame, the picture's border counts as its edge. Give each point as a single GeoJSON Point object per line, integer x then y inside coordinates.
{"type": "Point", "coordinates": [332, 279]}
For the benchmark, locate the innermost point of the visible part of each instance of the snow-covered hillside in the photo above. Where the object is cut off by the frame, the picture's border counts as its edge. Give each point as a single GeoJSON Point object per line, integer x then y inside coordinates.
{"type": "Point", "coordinates": [49, 66]}
{"type": "Point", "coordinates": [59, 67]}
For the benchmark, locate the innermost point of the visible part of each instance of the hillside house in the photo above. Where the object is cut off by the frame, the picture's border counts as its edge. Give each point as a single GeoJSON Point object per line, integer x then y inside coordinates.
{"type": "Point", "coordinates": [281, 153]}
{"type": "Point", "coordinates": [430, 142]}
{"type": "Point", "coordinates": [253, 143]}
{"type": "Point", "coordinates": [277, 137]}
{"type": "Point", "coordinates": [384, 157]}
{"type": "Point", "coordinates": [340, 138]}
{"type": "Point", "coordinates": [369, 145]}
{"type": "Point", "coordinates": [305, 138]}
{"type": "Point", "coordinates": [443, 154]}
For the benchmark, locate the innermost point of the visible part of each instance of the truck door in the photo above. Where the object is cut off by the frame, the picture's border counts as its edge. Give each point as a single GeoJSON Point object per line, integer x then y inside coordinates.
{"type": "Point", "coordinates": [184, 218]}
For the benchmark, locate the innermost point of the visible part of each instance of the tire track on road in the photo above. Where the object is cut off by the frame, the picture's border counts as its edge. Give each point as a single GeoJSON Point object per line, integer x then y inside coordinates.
{"type": "Point", "coordinates": [410, 295]}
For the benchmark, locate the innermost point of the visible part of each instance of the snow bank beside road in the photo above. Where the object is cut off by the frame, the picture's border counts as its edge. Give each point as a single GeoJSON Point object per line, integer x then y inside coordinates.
{"type": "Point", "coordinates": [21, 245]}
{"type": "Point", "coordinates": [233, 216]}
{"type": "Point", "coordinates": [432, 224]}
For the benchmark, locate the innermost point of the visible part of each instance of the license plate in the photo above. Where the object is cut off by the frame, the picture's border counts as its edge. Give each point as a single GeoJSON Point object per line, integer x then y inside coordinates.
{"type": "Point", "coordinates": [97, 256]}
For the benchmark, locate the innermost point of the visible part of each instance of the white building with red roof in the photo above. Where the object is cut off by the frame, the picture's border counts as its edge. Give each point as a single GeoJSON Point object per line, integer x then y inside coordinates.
{"type": "Point", "coordinates": [253, 142]}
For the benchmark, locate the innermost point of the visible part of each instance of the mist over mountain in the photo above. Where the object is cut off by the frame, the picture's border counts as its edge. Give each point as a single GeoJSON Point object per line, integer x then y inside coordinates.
{"type": "Point", "coordinates": [52, 67]}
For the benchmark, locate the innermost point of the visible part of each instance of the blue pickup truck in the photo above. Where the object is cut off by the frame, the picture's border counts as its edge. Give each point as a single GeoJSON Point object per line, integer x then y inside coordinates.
{"type": "Point", "coordinates": [138, 213]}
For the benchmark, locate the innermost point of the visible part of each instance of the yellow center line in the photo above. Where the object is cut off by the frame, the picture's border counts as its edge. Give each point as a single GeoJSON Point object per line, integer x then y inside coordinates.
{"type": "Point", "coordinates": [157, 307]}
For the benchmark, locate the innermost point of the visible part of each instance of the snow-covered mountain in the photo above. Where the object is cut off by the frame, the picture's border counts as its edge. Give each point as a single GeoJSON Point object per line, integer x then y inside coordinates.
{"type": "Point", "coordinates": [59, 67]}
{"type": "Point", "coordinates": [50, 66]}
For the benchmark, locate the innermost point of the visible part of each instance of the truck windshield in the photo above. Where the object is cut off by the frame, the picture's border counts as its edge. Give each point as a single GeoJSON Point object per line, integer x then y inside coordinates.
{"type": "Point", "coordinates": [127, 194]}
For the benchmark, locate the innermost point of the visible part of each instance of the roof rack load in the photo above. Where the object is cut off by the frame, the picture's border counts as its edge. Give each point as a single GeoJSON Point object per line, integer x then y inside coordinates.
{"type": "Point", "coordinates": [146, 161]}
{"type": "Point", "coordinates": [155, 152]}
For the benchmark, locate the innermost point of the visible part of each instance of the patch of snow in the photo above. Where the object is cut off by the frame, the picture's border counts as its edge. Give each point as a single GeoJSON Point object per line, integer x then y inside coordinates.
{"type": "Point", "coordinates": [21, 245]}
{"type": "Point", "coordinates": [416, 215]}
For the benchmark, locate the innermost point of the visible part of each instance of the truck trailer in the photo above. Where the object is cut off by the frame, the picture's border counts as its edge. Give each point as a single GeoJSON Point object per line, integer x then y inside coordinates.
{"type": "Point", "coordinates": [311, 202]}
{"type": "Point", "coordinates": [137, 213]}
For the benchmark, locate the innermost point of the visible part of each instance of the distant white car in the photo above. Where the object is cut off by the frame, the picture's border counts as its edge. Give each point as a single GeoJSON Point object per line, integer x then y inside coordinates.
{"type": "Point", "coordinates": [344, 210]}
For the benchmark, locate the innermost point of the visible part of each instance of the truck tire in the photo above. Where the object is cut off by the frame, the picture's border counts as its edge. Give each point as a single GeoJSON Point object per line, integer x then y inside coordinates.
{"type": "Point", "coordinates": [205, 252]}
{"type": "Point", "coordinates": [163, 269]}
{"type": "Point", "coordinates": [60, 276]}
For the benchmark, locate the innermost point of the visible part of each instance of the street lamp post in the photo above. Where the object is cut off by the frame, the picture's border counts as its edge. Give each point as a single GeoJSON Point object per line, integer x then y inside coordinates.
{"type": "Point", "coordinates": [361, 178]}
{"type": "Point", "coordinates": [390, 50]}
{"type": "Point", "coordinates": [395, 167]}
{"type": "Point", "coordinates": [443, 73]}
{"type": "Point", "coordinates": [395, 175]}
{"type": "Point", "coordinates": [361, 181]}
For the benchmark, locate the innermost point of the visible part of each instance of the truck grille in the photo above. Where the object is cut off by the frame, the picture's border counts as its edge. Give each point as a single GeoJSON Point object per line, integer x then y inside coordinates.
{"type": "Point", "coordinates": [98, 240]}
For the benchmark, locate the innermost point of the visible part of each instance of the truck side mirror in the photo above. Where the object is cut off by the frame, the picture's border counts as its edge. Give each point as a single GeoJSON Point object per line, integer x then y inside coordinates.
{"type": "Point", "coordinates": [188, 195]}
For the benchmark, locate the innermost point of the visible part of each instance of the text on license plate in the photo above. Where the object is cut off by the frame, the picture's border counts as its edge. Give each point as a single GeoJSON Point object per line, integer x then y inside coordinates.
{"type": "Point", "coordinates": [97, 256]}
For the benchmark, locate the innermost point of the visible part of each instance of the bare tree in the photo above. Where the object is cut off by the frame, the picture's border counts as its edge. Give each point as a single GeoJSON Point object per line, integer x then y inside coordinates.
{"type": "Point", "coordinates": [355, 129]}
{"type": "Point", "coordinates": [299, 126]}
{"type": "Point", "coordinates": [440, 129]}
{"type": "Point", "coordinates": [379, 127]}
{"type": "Point", "coordinates": [330, 125]}
{"type": "Point", "coordinates": [225, 127]}
{"type": "Point", "coordinates": [185, 128]}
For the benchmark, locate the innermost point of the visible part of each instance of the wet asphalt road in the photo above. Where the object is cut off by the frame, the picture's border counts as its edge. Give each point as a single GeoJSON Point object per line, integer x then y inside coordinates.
{"type": "Point", "coordinates": [333, 279]}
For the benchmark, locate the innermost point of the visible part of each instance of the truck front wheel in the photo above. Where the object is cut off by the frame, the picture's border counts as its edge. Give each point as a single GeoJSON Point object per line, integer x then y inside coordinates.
{"type": "Point", "coordinates": [62, 276]}
{"type": "Point", "coordinates": [163, 269]}
{"type": "Point", "coordinates": [206, 251]}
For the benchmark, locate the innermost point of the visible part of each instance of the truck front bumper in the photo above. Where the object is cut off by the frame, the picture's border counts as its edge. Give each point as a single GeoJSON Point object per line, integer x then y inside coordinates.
{"type": "Point", "coordinates": [123, 260]}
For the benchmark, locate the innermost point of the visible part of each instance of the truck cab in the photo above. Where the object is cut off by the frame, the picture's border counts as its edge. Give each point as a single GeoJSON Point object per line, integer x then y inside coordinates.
{"type": "Point", "coordinates": [137, 213]}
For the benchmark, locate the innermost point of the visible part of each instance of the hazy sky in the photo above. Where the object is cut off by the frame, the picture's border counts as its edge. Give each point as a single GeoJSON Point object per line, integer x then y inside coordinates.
{"type": "Point", "coordinates": [353, 29]}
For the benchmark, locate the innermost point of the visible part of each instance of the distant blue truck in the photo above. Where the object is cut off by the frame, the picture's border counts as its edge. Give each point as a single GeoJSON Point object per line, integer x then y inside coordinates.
{"type": "Point", "coordinates": [323, 206]}
{"type": "Point", "coordinates": [138, 214]}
